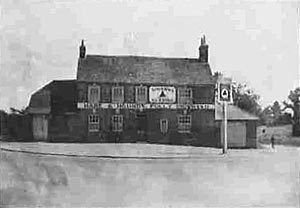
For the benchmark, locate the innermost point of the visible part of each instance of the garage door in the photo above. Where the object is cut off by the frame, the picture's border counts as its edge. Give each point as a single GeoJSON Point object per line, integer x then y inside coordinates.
{"type": "Point", "coordinates": [236, 134]}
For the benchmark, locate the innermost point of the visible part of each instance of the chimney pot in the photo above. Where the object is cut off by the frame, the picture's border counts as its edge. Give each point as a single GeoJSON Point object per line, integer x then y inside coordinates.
{"type": "Point", "coordinates": [203, 51]}
{"type": "Point", "coordinates": [82, 50]}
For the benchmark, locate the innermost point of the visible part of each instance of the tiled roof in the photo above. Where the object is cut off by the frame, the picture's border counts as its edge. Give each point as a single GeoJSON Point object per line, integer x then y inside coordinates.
{"type": "Point", "coordinates": [56, 96]}
{"type": "Point", "coordinates": [139, 69]}
{"type": "Point", "coordinates": [233, 113]}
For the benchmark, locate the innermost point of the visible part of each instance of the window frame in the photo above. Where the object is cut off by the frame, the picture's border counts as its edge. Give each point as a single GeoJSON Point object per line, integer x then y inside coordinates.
{"type": "Point", "coordinates": [90, 88]}
{"type": "Point", "coordinates": [164, 131]}
{"type": "Point", "coordinates": [117, 127]}
{"type": "Point", "coordinates": [94, 122]}
{"type": "Point", "coordinates": [113, 100]}
{"type": "Point", "coordinates": [184, 127]}
{"type": "Point", "coordinates": [137, 100]}
{"type": "Point", "coordinates": [182, 95]}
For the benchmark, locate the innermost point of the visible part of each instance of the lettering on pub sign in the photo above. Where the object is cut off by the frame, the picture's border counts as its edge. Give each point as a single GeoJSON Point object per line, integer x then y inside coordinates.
{"type": "Point", "coordinates": [86, 105]}
{"type": "Point", "coordinates": [162, 94]}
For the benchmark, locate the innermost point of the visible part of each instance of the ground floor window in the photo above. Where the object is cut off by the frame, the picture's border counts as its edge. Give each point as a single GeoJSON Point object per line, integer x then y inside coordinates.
{"type": "Point", "coordinates": [117, 123]}
{"type": "Point", "coordinates": [163, 126]}
{"type": "Point", "coordinates": [93, 123]}
{"type": "Point", "coordinates": [184, 123]}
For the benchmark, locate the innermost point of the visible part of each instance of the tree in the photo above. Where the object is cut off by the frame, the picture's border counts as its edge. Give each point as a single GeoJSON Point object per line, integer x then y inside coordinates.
{"type": "Point", "coordinates": [246, 99]}
{"type": "Point", "coordinates": [266, 116]}
{"type": "Point", "coordinates": [285, 118]}
{"type": "Point", "coordinates": [274, 115]}
{"type": "Point", "coordinates": [294, 105]}
{"type": "Point", "coordinates": [276, 110]}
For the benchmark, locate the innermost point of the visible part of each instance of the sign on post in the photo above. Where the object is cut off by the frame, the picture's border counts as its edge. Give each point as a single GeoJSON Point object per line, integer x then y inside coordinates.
{"type": "Point", "coordinates": [225, 97]}
{"type": "Point", "coordinates": [225, 92]}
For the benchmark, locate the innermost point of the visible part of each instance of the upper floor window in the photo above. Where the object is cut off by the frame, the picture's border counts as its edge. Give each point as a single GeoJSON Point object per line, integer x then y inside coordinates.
{"type": "Point", "coordinates": [141, 94]}
{"type": "Point", "coordinates": [184, 95]}
{"type": "Point", "coordinates": [184, 123]}
{"type": "Point", "coordinates": [118, 94]}
{"type": "Point", "coordinates": [94, 94]}
{"type": "Point", "coordinates": [117, 123]}
{"type": "Point", "coordinates": [93, 120]}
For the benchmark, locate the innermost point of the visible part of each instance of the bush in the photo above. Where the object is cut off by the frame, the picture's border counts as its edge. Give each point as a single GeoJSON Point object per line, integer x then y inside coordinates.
{"type": "Point", "coordinates": [15, 127]}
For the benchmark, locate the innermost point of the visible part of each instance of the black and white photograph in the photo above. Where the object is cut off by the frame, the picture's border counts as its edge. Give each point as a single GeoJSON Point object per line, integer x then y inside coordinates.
{"type": "Point", "coordinates": [150, 103]}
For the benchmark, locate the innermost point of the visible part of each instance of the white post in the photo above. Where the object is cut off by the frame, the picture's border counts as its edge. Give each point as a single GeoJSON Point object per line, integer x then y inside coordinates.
{"type": "Point", "coordinates": [224, 127]}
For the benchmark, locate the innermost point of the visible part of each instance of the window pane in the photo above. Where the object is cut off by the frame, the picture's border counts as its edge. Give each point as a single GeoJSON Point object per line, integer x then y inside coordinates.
{"type": "Point", "coordinates": [184, 95]}
{"type": "Point", "coordinates": [184, 123]}
{"type": "Point", "coordinates": [118, 94]}
{"type": "Point", "coordinates": [141, 94]}
{"type": "Point", "coordinates": [117, 123]}
{"type": "Point", "coordinates": [93, 122]}
{"type": "Point", "coordinates": [93, 118]}
{"type": "Point", "coordinates": [94, 94]}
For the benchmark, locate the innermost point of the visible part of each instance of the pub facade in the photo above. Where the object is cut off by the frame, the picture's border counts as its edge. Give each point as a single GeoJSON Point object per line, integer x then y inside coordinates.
{"type": "Point", "coordinates": [130, 99]}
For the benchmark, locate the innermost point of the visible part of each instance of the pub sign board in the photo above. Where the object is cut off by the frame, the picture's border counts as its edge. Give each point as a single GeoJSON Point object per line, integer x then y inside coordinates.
{"type": "Point", "coordinates": [162, 94]}
{"type": "Point", "coordinates": [225, 92]}
{"type": "Point", "coordinates": [86, 105]}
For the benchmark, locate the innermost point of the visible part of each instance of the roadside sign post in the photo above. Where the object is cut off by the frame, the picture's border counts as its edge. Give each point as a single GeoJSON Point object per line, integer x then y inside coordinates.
{"type": "Point", "coordinates": [225, 97]}
{"type": "Point", "coordinates": [224, 127]}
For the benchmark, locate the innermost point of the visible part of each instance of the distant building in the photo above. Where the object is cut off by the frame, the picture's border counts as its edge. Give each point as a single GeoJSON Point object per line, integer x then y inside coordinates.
{"type": "Point", "coordinates": [137, 99]}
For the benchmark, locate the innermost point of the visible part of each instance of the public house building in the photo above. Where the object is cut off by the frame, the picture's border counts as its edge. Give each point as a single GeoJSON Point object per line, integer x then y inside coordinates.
{"type": "Point", "coordinates": [138, 99]}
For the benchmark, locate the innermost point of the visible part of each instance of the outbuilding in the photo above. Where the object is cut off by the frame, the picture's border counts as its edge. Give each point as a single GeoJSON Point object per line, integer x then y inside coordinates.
{"type": "Point", "coordinates": [241, 127]}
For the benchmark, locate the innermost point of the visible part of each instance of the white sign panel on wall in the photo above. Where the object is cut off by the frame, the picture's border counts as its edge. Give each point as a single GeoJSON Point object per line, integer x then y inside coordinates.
{"type": "Point", "coordinates": [85, 105]}
{"type": "Point", "coordinates": [162, 94]}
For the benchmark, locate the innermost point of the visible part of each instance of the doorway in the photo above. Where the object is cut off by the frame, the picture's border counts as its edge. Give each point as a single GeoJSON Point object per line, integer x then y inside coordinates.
{"type": "Point", "coordinates": [40, 127]}
{"type": "Point", "coordinates": [141, 119]}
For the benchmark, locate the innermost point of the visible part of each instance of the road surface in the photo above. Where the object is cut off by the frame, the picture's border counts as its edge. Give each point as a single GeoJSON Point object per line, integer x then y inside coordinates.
{"type": "Point", "coordinates": [248, 178]}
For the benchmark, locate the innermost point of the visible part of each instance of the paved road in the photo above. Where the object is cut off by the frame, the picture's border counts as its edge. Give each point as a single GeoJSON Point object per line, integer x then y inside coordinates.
{"type": "Point", "coordinates": [126, 150]}
{"type": "Point", "coordinates": [243, 178]}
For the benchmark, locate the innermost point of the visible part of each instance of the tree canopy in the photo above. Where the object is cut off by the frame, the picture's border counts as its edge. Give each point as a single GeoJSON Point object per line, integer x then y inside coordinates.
{"type": "Point", "coordinates": [275, 115]}
{"type": "Point", "coordinates": [293, 103]}
{"type": "Point", "coordinates": [245, 98]}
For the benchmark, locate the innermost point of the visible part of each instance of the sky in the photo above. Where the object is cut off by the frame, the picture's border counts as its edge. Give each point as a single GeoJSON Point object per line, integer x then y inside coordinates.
{"type": "Point", "coordinates": [254, 42]}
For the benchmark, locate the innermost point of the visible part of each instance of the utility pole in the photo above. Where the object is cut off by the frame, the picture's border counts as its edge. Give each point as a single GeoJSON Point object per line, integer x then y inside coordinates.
{"type": "Point", "coordinates": [224, 121]}
{"type": "Point", "coordinates": [224, 98]}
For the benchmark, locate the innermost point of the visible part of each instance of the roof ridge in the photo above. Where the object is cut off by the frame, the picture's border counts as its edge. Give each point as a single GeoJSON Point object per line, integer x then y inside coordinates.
{"type": "Point", "coordinates": [63, 80]}
{"type": "Point", "coordinates": [141, 56]}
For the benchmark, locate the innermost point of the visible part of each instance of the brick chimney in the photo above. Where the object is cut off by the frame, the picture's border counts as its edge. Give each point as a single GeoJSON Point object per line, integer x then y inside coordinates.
{"type": "Point", "coordinates": [203, 51]}
{"type": "Point", "coordinates": [82, 50]}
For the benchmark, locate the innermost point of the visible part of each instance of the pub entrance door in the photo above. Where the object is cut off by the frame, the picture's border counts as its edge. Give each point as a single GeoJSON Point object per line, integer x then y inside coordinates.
{"type": "Point", "coordinates": [141, 119]}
